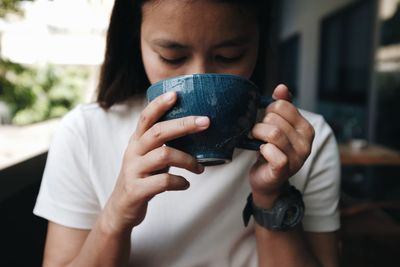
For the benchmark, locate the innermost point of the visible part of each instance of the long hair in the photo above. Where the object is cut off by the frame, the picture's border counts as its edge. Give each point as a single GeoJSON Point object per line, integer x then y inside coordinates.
{"type": "Point", "coordinates": [122, 73]}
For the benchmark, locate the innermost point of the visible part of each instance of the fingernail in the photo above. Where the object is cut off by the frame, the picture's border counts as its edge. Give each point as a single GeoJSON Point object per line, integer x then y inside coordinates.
{"type": "Point", "coordinates": [187, 185]}
{"type": "Point", "coordinates": [202, 121]}
{"type": "Point", "coordinates": [200, 168]}
{"type": "Point", "coordinates": [261, 147]}
{"type": "Point", "coordinates": [168, 96]}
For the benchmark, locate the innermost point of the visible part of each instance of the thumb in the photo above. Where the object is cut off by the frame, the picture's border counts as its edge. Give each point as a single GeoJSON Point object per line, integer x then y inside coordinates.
{"type": "Point", "coordinates": [282, 92]}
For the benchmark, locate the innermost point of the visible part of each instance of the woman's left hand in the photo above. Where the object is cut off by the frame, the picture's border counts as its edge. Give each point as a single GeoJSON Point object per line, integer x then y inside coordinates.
{"type": "Point", "coordinates": [288, 136]}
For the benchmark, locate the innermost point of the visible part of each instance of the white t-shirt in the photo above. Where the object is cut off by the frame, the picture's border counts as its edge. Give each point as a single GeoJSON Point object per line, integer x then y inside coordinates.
{"type": "Point", "coordinates": [201, 226]}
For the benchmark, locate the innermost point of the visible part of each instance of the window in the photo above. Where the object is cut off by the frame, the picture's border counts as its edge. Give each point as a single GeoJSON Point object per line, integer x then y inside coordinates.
{"type": "Point", "coordinates": [345, 56]}
{"type": "Point", "coordinates": [289, 62]}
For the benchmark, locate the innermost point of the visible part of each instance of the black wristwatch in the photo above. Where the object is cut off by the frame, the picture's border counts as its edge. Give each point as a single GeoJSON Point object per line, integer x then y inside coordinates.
{"type": "Point", "coordinates": [287, 212]}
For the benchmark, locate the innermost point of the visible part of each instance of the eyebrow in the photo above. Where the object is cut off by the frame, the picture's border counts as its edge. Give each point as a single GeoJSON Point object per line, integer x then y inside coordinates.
{"type": "Point", "coordinates": [165, 43]}
{"type": "Point", "coordinates": [238, 41]}
{"type": "Point", "coordinates": [170, 44]}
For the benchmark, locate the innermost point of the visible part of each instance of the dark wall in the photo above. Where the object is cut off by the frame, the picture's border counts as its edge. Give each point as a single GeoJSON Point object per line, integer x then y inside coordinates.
{"type": "Point", "coordinates": [22, 234]}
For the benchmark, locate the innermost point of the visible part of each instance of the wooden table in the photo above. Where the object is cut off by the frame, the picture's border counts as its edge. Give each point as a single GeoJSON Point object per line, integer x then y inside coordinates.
{"type": "Point", "coordinates": [371, 155]}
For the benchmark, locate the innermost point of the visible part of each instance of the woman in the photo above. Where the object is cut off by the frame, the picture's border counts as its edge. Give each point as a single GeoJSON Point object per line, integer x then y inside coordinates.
{"type": "Point", "coordinates": [105, 186]}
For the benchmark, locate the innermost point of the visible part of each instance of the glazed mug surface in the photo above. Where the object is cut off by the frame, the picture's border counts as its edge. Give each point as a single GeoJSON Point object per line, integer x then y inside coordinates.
{"type": "Point", "coordinates": [230, 101]}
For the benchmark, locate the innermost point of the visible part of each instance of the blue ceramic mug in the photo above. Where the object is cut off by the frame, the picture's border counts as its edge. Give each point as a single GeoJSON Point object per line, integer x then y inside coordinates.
{"type": "Point", "coordinates": [231, 103]}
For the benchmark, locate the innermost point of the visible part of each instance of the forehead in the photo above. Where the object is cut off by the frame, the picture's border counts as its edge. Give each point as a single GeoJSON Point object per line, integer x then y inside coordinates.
{"type": "Point", "coordinates": [205, 20]}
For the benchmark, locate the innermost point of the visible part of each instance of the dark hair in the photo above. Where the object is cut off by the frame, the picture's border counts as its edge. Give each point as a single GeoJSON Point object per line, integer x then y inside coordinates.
{"type": "Point", "coordinates": [122, 73]}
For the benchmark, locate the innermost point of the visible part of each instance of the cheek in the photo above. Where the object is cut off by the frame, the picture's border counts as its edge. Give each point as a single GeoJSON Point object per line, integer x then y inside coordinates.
{"type": "Point", "coordinates": [250, 62]}
{"type": "Point", "coordinates": [245, 68]}
{"type": "Point", "coordinates": [155, 69]}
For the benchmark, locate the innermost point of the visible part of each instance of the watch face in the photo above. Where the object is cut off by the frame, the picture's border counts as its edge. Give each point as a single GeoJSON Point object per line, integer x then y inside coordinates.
{"type": "Point", "coordinates": [287, 212]}
{"type": "Point", "coordinates": [291, 216]}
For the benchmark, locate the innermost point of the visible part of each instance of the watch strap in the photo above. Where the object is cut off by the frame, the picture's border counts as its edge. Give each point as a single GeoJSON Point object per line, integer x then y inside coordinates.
{"type": "Point", "coordinates": [264, 217]}
{"type": "Point", "coordinates": [248, 210]}
{"type": "Point", "coordinates": [273, 218]}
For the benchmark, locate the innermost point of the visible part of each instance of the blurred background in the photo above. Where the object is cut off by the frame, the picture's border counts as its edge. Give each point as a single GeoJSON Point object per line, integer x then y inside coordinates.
{"type": "Point", "coordinates": [340, 58]}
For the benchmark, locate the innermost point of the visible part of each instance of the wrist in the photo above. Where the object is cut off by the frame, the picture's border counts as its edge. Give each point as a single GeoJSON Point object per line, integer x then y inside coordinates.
{"type": "Point", "coordinates": [266, 200]}
{"type": "Point", "coordinates": [278, 212]}
{"type": "Point", "coordinates": [110, 226]}
{"type": "Point", "coordinates": [263, 201]}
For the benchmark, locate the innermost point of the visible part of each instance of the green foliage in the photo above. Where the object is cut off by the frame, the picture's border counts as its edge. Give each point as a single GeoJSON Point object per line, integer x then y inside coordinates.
{"type": "Point", "coordinates": [37, 94]}
{"type": "Point", "coordinates": [7, 6]}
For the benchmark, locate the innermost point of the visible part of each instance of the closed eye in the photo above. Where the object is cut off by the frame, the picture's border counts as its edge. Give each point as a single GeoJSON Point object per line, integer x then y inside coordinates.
{"type": "Point", "coordinates": [228, 60]}
{"type": "Point", "coordinates": [172, 61]}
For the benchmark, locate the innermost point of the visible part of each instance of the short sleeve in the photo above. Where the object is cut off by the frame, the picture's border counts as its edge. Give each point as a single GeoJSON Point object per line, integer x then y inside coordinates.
{"type": "Point", "coordinates": [322, 188]}
{"type": "Point", "coordinates": [66, 194]}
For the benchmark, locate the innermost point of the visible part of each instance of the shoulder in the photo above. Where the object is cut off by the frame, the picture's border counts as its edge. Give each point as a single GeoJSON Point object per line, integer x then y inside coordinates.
{"type": "Point", "coordinates": [92, 115]}
{"type": "Point", "coordinates": [322, 129]}
{"type": "Point", "coordinates": [322, 168]}
{"type": "Point", "coordinates": [316, 120]}
{"type": "Point", "coordinates": [319, 179]}
{"type": "Point", "coordinates": [323, 163]}
{"type": "Point", "coordinates": [324, 141]}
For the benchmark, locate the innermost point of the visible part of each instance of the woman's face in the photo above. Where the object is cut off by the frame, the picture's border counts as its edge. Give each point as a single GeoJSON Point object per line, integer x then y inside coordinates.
{"type": "Point", "coordinates": [198, 36]}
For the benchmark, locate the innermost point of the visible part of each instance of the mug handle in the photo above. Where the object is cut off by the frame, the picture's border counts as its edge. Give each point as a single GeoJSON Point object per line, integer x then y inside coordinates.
{"type": "Point", "coordinates": [254, 144]}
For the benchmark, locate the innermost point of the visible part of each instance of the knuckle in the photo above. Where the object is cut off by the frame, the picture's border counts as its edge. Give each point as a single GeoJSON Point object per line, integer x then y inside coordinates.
{"type": "Point", "coordinates": [165, 181]}
{"type": "Point", "coordinates": [134, 148]}
{"type": "Point", "coordinates": [156, 131]}
{"type": "Point", "coordinates": [269, 118]}
{"type": "Point", "coordinates": [274, 134]}
{"type": "Point", "coordinates": [126, 171]}
{"type": "Point", "coordinates": [127, 168]}
{"type": "Point", "coordinates": [130, 189]}
{"type": "Point", "coordinates": [281, 104]}
{"type": "Point", "coordinates": [143, 119]}
{"type": "Point", "coordinates": [311, 131]}
{"type": "Point", "coordinates": [282, 162]}
{"type": "Point", "coordinates": [304, 149]}
{"type": "Point", "coordinates": [133, 138]}
{"type": "Point", "coordinates": [191, 161]}
{"type": "Point", "coordinates": [159, 101]}
{"type": "Point", "coordinates": [164, 154]}
{"type": "Point", "coordinates": [297, 163]}
{"type": "Point", "coordinates": [140, 195]}
{"type": "Point", "coordinates": [267, 147]}
{"type": "Point", "coordinates": [183, 123]}
{"type": "Point", "coordinates": [256, 128]}
{"type": "Point", "coordinates": [194, 160]}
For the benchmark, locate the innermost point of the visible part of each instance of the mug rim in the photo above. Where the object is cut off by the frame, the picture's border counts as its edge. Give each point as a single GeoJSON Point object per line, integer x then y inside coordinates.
{"type": "Point", "coordinates": [191, 76]}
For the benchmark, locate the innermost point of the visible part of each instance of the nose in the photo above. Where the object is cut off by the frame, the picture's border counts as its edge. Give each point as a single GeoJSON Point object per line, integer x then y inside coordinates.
{"type": "Point", "coordinates": [201, 66]}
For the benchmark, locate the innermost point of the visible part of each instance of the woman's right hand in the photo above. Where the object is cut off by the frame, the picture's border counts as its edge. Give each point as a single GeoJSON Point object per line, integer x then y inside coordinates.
{"type": "Point", "coordinates": [144, 171]}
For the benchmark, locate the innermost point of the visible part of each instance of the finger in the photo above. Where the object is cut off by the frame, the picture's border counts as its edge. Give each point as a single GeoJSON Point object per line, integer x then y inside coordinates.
{"type": "Point", "coordinates": [277, 166]}
{"type": "Point", "coordinates": [164, 157]}
{"type": "Point", "coordinates": [282, 92]}
{"type": "Point", "coordinates": [295, 139]}
{"type": "Point", "coordinates": [292, 115]}
{"type": "Point", "coordinates": [156, 184]}
{"type": "Point", "coordinates": [271, 133]}
{"type": "Point", "coordinates": [154, 111]}
{"type": "Point", "coordinates": [166, 169]}
{"type": "Point", "coordinates": [286, 110]}
{"type": "Point", "coordinates": [162, 132]}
